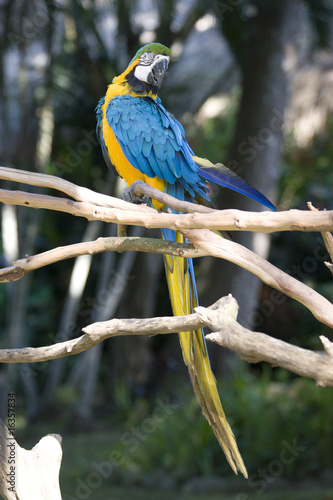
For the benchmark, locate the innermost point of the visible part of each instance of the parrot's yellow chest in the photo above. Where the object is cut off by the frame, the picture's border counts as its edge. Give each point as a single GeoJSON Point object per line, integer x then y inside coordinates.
{"type": "Point", "coordinates": [124, 168]}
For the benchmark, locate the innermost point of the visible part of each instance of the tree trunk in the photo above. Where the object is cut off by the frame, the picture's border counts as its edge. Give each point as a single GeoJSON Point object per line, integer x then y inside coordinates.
{"type": "Point", "coordinates": [255, 153]}
{"type": "Point", "coordinates": [27, 474]}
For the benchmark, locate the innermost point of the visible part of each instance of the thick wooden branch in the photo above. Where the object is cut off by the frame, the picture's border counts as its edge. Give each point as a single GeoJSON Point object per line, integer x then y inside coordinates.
{"type": "Point", "coordinates": [120, 244]}
{"type": "Point", "coordinates": [78, 193]}
{"type": "Point", "coordinates": [95, 206]}
{"type": "Point", "coordinates": [255, 347]}
{"type": "Point", "coordinates": [205, 243]}
{"type": "Point", "coordinates": [98, 332]}
{"type": "Point", "coordinates": [224, 220]}
{"type": "Point", "coordinates": [142, 189]}
{"type": "Point", "coordinates": [220, 318]}
{"type": "Point", "coordinates": [29, 474]}
{"type": "Point", "coordinates": [212, 244]}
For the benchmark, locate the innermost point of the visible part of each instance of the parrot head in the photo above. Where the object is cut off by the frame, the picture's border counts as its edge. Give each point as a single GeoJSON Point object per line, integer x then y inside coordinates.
{"type": "Point", "coordinates": [148, 68]}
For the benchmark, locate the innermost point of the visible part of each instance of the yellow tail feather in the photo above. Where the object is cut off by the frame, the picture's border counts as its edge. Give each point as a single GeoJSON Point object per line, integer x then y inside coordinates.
{"type": "Point", "coordinates": [183, 300]}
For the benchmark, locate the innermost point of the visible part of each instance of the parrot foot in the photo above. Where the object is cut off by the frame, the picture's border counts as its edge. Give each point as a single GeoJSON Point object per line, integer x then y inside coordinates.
{"type": "Point", "coordinates": [130, 195]}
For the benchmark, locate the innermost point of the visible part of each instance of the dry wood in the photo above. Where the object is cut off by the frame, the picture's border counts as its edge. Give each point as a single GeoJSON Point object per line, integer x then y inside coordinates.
{"type": "Point", "coordinates": [98, 332]}
{"type": "Point", "coordinates": [214, 245]}
{"type": "Point", "coordinates": [328, 240]}
{"type": "Point", "coordinates": [141, 215]}
{"type": "Point", "coordinates": [204, 243]}
{"type": "Point", "coordinates": [34, 474]}
{"type": "Point", "coordinates": [220, 318]}
{"type": "Point", "coordinates": [79, 193]}
{"type": "Point", "coordinates": [254, 347]}
{"type": "Point", "coordinates": [119, 244]}
{"type": "Point", "coordinates": [94, 206]}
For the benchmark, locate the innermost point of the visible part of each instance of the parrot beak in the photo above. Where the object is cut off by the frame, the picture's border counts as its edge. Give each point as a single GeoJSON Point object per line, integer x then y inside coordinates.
{"type": "Point", "coordinates": [158, 71]}
{"type": "Point", "coordinates": [154, 73]}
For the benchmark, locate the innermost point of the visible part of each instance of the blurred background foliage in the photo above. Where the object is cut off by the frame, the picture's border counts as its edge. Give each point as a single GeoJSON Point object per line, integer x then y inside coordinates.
{"type": "Point", "coordinates": [56, 60]}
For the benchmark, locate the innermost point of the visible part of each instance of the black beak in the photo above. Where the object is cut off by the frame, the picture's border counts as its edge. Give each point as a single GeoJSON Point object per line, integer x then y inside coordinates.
{"type": "Point", "coordinates": [158, 71]}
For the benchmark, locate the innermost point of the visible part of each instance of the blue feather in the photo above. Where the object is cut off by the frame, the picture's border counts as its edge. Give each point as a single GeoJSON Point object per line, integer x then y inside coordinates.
{"type": "Point", "coordinates": [156, 168]}
{"type": "Point", "coordinates": [132, 135]}
{"type": "Point", "coordinates": [153, 141]}
{"type": "Point", "coordinates": [146, 147]}
{"type": "Point", "coordinates": [232, 181]}
{"type": "Point", "coordinates": [159, 151]}
{"type": "Point", "coordinates": [150, 138]}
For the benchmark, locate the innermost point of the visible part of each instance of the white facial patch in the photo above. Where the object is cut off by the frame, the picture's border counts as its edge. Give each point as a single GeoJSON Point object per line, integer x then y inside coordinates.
{"type": "Point", "coordinates": [143, 69]}
{"type": "Point", "coordinates": [142, 72]}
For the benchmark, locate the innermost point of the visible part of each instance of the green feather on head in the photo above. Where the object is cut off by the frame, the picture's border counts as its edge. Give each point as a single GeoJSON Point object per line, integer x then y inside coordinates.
{"type": "Point", "coordinates": [157, 48]}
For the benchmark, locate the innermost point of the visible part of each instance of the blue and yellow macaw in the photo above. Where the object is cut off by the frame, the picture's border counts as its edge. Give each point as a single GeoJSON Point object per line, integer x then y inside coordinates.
{"type": "Point", "coordinates": [141, 141]}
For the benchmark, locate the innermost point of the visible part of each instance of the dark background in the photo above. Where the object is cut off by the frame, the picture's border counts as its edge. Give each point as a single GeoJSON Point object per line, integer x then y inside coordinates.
{"type": "Point", "coordinates": [251, 81]}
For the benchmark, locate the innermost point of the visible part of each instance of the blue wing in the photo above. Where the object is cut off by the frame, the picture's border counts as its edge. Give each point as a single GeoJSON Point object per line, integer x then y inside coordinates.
{"type": "Point", "coordinates": [225, 177]}
{"type": "Point", "coordinates": [154, 143]}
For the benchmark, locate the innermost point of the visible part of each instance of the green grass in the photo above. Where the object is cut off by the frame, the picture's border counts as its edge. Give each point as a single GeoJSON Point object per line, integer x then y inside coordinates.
{"type": "Point", "coordinates": [84, 475]}
{"type": "Point", "coordinates": [144, 494]}
{"type": "Point", "coordinates": [157, 449]}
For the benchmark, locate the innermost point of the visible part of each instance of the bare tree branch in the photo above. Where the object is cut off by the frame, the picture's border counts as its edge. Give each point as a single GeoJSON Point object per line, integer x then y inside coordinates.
{"type": "Point", "coordinates": [328, 240]}
{"type": "Point", "coordinates": [255, 347]}
{"type": "Point", "coordinates": [205, 243]}
{"type": "Point", "coordinates": [120, 244]}
{"type": "Point", "coordinates": [214, 245]}
{"type": "Point", "coordinates": [220, 318]}
{"type": "Point", "coordinates": [98, 332]}
{"type": "Point", "coordinates": [79, 193]}
{"type": "Point", "coordinates": [142, 189]}
{"type": "Point", "coordinates": [95, 206]}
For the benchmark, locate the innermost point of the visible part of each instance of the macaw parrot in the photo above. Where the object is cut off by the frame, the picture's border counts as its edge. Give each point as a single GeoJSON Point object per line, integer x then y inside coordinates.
{"type": "Point", "coordinates": [140, 140]}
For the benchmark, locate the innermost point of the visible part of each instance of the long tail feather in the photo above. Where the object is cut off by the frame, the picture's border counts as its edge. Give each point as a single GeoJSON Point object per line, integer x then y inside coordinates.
{"type": "Point", "coordinates": [183, 294]}
{"type": "Point", "coordinates": [223, 176]}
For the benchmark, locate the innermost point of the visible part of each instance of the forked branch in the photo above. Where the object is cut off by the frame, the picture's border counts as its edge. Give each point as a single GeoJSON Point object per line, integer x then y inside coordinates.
{"type": "Point", "coordinates": [221, 317]}
{"type": "Point", "coordinates": [96, 206]}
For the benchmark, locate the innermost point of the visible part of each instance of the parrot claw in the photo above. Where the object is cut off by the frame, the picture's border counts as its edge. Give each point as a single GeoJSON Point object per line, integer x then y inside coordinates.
{"type": "Point", "coordinates": [130, 195]}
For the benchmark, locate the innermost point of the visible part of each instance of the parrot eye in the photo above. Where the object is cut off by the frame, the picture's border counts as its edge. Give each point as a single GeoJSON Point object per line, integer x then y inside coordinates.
{"type": "Point", "coordinates": [147, 58]}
